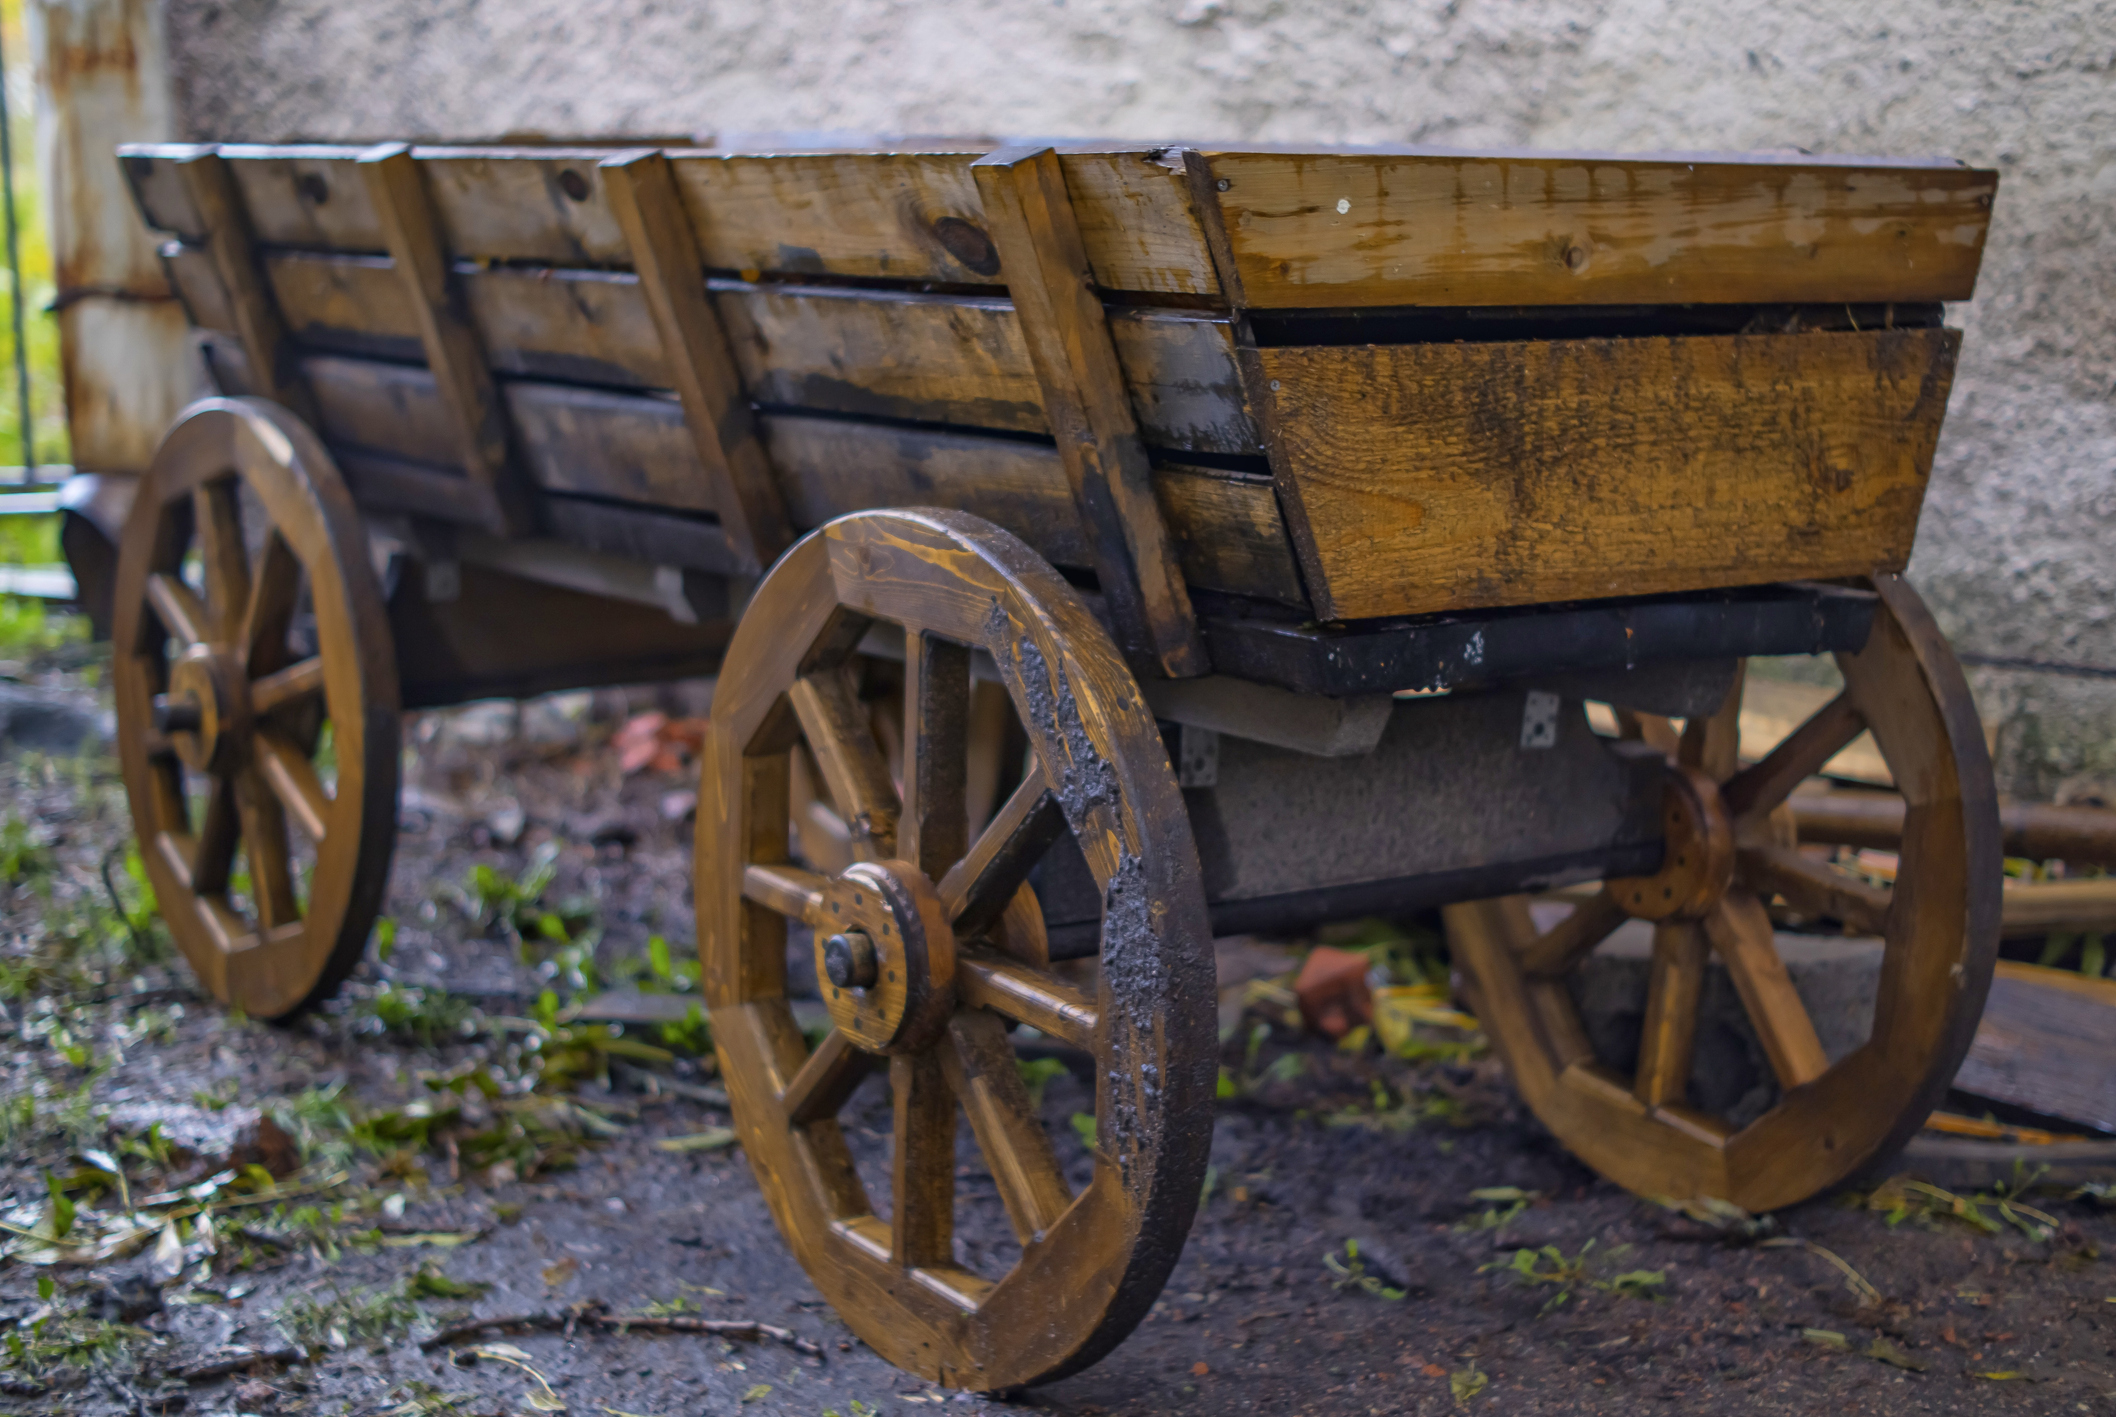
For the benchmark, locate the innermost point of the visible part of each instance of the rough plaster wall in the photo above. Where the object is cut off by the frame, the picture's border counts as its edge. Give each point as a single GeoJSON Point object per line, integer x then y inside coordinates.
{"type": "Point", "coordinates": [2018, 546]}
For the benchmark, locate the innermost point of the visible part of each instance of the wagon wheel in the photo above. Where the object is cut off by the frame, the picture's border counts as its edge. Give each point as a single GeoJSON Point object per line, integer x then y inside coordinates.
{"type": "Point", "coordinates": [930, 944]}
{"type": "Point", "coordinates": [1729, 851]}
{"type": "Point", "coordinates": [222, 686]}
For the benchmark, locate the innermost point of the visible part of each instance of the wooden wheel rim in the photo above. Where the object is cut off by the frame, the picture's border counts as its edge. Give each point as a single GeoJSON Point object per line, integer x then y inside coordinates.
{"type": "Point", "coordinates": [262, 784]}
{"type": "Point", "coordinates": [1939, 928]}
{"type": "Point", "coordinates": [1090, 1266]}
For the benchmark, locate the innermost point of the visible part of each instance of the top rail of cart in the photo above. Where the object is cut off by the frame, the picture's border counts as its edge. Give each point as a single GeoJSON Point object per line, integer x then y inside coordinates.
{"type": "Point", "coordinates": [1289, 387]}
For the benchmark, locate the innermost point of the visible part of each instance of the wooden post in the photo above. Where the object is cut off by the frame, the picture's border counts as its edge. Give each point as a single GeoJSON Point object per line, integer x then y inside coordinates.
{"type": "Point", "coordinates": [454, 352]}
{"type": "Point", "coordinates": [1031, 218]}
{"type": "Point", "coordinates": [643, 197]}
{"type": "Point", "coordinates": [275, 371]}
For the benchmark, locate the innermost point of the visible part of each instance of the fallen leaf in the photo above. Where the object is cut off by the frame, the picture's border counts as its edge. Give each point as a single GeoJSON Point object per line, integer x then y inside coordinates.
{"type": "Point", "coordinates": [1199, 1370]}
{"type": "Point", "coordinates": [1883, 1351]}
{"type": "Point", "coordinates": [560, 1273]}
{"type": "Point", "coordinates": [1467, 1383]}
{"type": "Point", "coordinates": [757, 1393]}
{"type": "Point", "coordinates": [711, 1139]}
{"type": "Point", "coordinates": [439, 1239]}
{"type": "Point", "coordinates": [1827, 1338]}
{"type": "Point", "coordinates": [1433, 1370]}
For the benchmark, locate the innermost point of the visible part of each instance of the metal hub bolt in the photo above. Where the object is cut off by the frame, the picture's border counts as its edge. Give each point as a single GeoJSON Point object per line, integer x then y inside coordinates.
{"type": "Point", "coordinates": [850, 961]}
{"type": "Point", "coordinates": [178, 715]}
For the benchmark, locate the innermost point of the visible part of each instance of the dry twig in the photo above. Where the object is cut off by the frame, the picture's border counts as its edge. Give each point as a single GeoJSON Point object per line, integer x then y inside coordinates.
{"type": "Point", "coordinates": [596, 1315]}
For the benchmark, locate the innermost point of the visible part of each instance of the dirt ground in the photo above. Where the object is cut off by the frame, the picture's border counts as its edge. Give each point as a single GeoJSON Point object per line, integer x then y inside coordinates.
{"type": "Point", "coordinates": [407, 1198]}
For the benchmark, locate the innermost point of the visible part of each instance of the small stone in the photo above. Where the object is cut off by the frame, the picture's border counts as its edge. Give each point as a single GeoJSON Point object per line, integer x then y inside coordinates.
{"type": "Point", "coordinates": [506, 823]}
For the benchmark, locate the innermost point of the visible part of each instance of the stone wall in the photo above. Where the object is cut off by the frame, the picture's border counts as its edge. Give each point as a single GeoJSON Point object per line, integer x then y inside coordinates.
{"type": "Point", "coordinates": [2018, 546]}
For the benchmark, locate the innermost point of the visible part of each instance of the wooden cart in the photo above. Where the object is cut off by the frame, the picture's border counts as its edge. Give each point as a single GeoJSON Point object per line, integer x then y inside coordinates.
{"type": "Point", "coordinates": [1348, 474]}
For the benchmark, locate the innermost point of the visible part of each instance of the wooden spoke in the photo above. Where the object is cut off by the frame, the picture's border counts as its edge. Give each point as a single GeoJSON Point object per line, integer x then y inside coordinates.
{"type": "Point", "coordinates": [1027, 995]}
{"type": "Point", "coordinates": [264, 847]}
{"type": "Point", "coordinates": [1649, 728]}
{"type": "Point", "coordinates": [281, 687]}
{"type": "Point", "coordinates": [217, 510]}
{"type": "Point", "coordinates": [1751, 793]}
{"type": "Point", "coordinates": [1572, 939]}
{"type": "Point", "coordinates": [269, 613]}
{"type": "Point", "coordinates": [836, 726]}
{"type": "Point", "coordinates": [922, 1166]}
{"type": "Point", "coordinates": [1712, 743]}
{"type": "Point", "coordinates": [178, 608]}
{"type": "Point", "coordinates": [978, 887]}
{"type": "Point", "coordinates": [1740, 931]}
{"type": "Point", "coordinates": [1664, 1048]}
{"type": "Point", "coordinates": [212, 856]}
{"type": "Point", "coordinates": [794, 893]}
{"type": "Point", "coordinates": [292, 778]}
{"type": "Point", "coordinates": [1816, 888]}
{"type": "Point", "coordinates": [935, 830]}
{"type": "Point", "coordinates": [980, 1068]}
{"type": "Point", "coordinates": [826, 1080]}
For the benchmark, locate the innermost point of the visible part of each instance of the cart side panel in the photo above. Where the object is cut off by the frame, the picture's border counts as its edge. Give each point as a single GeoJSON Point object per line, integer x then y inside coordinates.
{"type": "Point", "coordinates": [386, 425]}
{"type": "Point", "coordinates": [957, 360]}
{"type": "Point", "coordinates": [1422, 478]}
{"type": "Point", "coordinates": [1365, 229]}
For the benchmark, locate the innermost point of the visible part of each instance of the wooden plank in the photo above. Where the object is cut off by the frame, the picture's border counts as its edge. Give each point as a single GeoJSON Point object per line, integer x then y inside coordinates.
{"type": "Point", "coordinates": [914, 217]}
{"type": "Point", "coordinates": [829, 467]}
{"type": "Point", "coordinates": [1335, 229]}
{"type": "Point", "coordinates": [1186, 387]}
{"type": "Point", "coordinates": [2045, 1046]}
{"type": "Point", "coordinates": [158, 188]}
{"type": "Point", "coordinates": [1228, 533]}
{"type": "Point", "coordinates": [1421, 478]}
{"type": "Point", "coordinates": [956, 360]}
{"type": "Point", "coordinates": [633, 448]}
{"type": "Point", "coordinates": [1227, 528]}
{"type": "Point", "coordinates": [396, 189]}
{"type": "Point", "coordinates": [1084, 396]}
{"type": "Point", "coordinates": [210, 189]}
{"type": "Point", "coordinates": [723, 431]}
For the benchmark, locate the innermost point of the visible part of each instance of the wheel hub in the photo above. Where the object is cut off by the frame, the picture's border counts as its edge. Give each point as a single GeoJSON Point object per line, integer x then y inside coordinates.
{"type": "Point", "coordinates": [885, 962]}
{"type": "Point", "coordinates": [1698, 864]}
{"type": "Point", "coordinates": [206, 712]}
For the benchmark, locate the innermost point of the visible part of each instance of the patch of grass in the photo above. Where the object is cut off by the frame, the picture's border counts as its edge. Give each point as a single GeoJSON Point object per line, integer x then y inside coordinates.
{"type": "Point", "coordinates": [53, 1337]}
{"type": "Point", "coordinates": [375, 1317]}
{"type": "Point", "coordinates": [415, 1014]}
{"type": "Point", "coordinates": [1550, 1268]}
{"type": "Point", "coordinates": [1396, 1113]}
{"type": "Point", "coordinates": [1905, 1198]}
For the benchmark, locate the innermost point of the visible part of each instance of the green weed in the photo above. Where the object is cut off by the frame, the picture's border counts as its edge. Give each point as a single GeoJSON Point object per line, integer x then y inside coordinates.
{"type": "Point", "coordinates": [1036, 1075]}
{"type": "Point", "coordinates": [1249, 1079]}
{"type": "Point", "coordinates": [1549, 1268]}
{"type": "Point", "coordinates": [1350, 1272]}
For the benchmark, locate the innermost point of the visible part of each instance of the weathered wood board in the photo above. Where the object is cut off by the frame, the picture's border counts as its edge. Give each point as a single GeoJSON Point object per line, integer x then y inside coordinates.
{"type": "Point", "coordinates": [386, 424]}
{"type": "Point", "coordinates": [956, 360]}
{"type": "Point", "coordinates": [1305, 230]}
{"type": "Point", "coordinates": [1421, 478]}
{"type": "Point", "coordinates": [1454, 229]}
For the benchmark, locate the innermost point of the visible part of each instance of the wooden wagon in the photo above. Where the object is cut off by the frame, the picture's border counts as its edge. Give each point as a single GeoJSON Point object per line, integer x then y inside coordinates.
{"type": "Point", "coordinates": [1348, 475]}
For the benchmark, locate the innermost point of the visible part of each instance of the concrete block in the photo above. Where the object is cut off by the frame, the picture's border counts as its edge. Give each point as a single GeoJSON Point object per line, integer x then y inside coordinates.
{"type": "Point", "coordinates": [1838, 980]}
